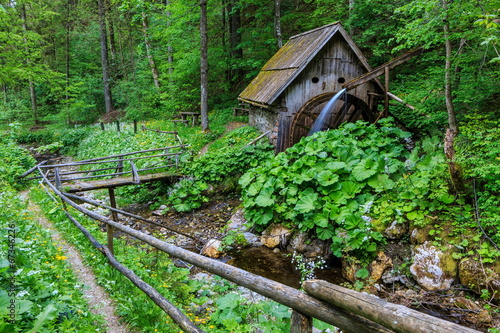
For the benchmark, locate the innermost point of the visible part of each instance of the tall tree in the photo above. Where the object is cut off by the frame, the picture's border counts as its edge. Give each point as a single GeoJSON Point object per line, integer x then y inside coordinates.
{"type": "Point", "coordinates": [277, 23]}
{"type": "Point", "coordinates": [204, 66]}
{"type": "Point", "coordinates": [34, 106]}
{"type": "Point", "coordinates": [108, 100]}
{"type": "Point", "coordinates": [149, 51]}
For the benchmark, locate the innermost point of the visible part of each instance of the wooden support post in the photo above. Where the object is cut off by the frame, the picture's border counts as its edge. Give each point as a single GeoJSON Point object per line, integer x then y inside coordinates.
{"type": "Point", "coordinates": [135, 126]}
{"type": "Point", "coordinates": [386, 101]}
{"type": "Point", "coordinates": [119, 167]}
{"type": "Point", "coordinates": [118, 125]}
{"type": "Point", "coordinates": [102, 125]}
{"type": "Point", "coordinates": [114, 217]}
{"type": "Point", "coordinates": [300, 323]}
{"type": "Point", "coordinates": [57, 178]}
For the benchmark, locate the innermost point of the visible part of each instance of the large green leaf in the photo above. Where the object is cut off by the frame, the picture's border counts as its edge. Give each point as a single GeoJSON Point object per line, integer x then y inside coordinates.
{"type": "Point", "coordinates": [265, 198]}
{"type": "Point", "coordinates": [306, 203]}
{"type": "Point", "coordinates": [365, 169]}
{"type": "Point", "coordinates": [325, 233]}
{"type": "Point", "coordinates": [326, 178]}
{"type": "Point", "coordinates": [381, 182]}
{"type": "Point", "coordinates": [246, 179]}
{"type": "Point", "coordinates": [262, 218]}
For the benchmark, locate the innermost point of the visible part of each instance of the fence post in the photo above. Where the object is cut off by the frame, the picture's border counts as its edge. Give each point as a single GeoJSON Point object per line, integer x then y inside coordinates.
{"type": "Point", "coordinates": [57, 178]}
{"type": "Point", "coordinates": [300, 323]}
{"type": "Point", "coordinates": [102, 126]}
{"type": "Point", "coordinates": [114, 216]}
{"type": "Point", "coordinates": [119, 167]}
{"type": "Point", "coordinates": [135, 126]}
{"type": "Point", "coordinates": [118, 125]}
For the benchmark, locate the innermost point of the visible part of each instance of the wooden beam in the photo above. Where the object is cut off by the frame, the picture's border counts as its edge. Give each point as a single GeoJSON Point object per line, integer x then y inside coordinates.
{"type": "Point", "coordinates": [397, 99]}
{"type": "Point", "coordinates": [393, 316]}
{"type": "Point", "coordinates": [114, 215]}
{"type": "Point", "coordinates": [381, 70]}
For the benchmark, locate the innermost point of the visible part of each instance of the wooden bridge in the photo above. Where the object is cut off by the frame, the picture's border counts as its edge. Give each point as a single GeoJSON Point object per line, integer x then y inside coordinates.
{"type": "Point", "coordinates": [115, 170]}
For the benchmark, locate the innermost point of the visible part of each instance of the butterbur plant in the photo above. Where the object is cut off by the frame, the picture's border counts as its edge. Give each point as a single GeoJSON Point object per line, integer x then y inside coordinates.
{"type": "Point", "coordinates": [327, 183]}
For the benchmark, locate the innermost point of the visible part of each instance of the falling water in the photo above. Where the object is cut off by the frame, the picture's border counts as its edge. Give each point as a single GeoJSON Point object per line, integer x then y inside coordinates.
{"type": "Point", "coordinates": [325, 113]}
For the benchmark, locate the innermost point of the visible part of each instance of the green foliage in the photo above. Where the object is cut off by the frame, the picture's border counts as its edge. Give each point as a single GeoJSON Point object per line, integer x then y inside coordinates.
{"type": "Point", "coordinates": [14, 162]}
{"type": "Point", "coordinates": [478, 150]}
{"type": "Point", "coordinates": [35, 274]}
{"type": "Point", "coordinates": [186, 195]}
{"type": "Point", "coordinates": [422, 193]}
{"type": "Point", "coordinates": [236, 314]}
{"type": "Point", "coordinates": [327, 182]}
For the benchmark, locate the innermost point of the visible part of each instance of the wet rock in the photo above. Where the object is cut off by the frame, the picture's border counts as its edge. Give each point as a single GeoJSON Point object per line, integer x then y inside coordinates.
{"type": "Point", "coordinates": [479, 276]}
{"type": "Point", "coordinates": [212, 248]}
{"type": "Point", "coordinates": [275, 235]}
{"type": "Point", "coordinates": [390, 277]}
{"type": "Point", "coordinates": [377, 268]}
{"type": "Point", "coordinates": [162, 207]}
{"type": "Point", "coordinates": [158, 212]}
{"type": "Point", "coordinates": [396, 230]}
{"type": "Point", "coordinates": [237, 221]}
{"type": "Point", "coordinates": [251, 238]}
{"type": "Point", "coordinates": [298, 242]}
{"type": "Point", "coordinates": [432, 268]}
{"type": "Point", "coordinates": [314, 249]}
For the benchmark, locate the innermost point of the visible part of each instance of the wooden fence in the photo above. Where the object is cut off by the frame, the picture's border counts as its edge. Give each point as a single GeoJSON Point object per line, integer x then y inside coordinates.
{"type": "Point", "coordinates": [351, 311]}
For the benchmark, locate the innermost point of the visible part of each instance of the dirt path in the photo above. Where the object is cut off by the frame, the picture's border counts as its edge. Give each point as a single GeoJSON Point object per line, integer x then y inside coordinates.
{"type": "Point", "coordinates": [99, 301]}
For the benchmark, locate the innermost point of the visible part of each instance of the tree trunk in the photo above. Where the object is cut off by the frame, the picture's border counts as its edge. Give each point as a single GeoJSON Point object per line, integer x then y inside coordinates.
{"type": "Point", "coordinates": [236, 52]}
{"type": "Point", "coordinates": [34, 107]}
{"type": "Point", "coordinates": [147, 43]}
{"type": "Point", "coordinates": [277, 23]}
{"type": "Point", "coordinates": [204, 66]}
{"type": "Point", "coordinates": [108, 101]}
{"type": "Point", "coordinates": [452, 131]}
{"type": "Point", "coordinates": [111, 29]}
{"type": "Point", "coordinates": [170, 50]}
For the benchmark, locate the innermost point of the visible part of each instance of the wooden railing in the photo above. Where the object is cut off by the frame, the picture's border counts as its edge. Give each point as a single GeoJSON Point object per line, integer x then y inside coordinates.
{"type": "Point", "coordinates": [351, 311]}
{"type": "Point", "coordinates": [168, 158]}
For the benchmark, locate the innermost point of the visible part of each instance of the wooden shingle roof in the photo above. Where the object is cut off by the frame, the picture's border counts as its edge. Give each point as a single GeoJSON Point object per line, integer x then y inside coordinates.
{"type": "Point", "coordinates": [289, 61]}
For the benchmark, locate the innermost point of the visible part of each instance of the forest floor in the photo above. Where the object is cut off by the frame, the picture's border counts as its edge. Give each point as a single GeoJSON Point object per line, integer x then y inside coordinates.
{"type": "Point", "coordinates": [100, 303]}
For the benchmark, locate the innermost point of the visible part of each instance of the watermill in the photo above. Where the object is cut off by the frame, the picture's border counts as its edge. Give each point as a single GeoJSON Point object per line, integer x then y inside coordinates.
{"type": "Point", "coordinates": [292, 88]}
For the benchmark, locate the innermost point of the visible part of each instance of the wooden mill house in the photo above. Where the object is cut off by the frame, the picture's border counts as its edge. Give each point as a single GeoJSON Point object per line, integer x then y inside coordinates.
{"type": "Point", "coordinates": [293, 87]}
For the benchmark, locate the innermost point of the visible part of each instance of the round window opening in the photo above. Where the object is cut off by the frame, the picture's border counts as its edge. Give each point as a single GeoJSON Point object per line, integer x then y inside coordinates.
{"type": "Point", "coordinates": [315, 80]}
{"type": "Point", "coordinates": [341, 80]}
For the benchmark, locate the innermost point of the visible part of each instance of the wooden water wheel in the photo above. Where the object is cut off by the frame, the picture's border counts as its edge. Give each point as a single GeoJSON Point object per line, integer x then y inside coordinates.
{"type": "Point", "coordinates": [348, 108]}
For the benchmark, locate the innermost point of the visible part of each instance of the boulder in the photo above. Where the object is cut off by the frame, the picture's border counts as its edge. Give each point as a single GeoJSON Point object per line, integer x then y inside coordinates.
{"type": "Point", "coordinates": [298, 242]}
{"type": "Point", "coordinates": [396, 230]}
{"type": "Point", "coordinates": [432, 268]}
{"type": "Point", "coordinates": [237, 221]}
{"type": "Point", "coordinates": [377, 268]}
{"type": "Point", "coordinates": [275, 235]}
{"type": "Point", "coordinates": [420, 235]}
{"type": "Point", "coordinates": [479, 276]}
{"type": "Point", "coordinates": [349, 268]}
{"type": "Point", "coordinates": [212, 248]}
